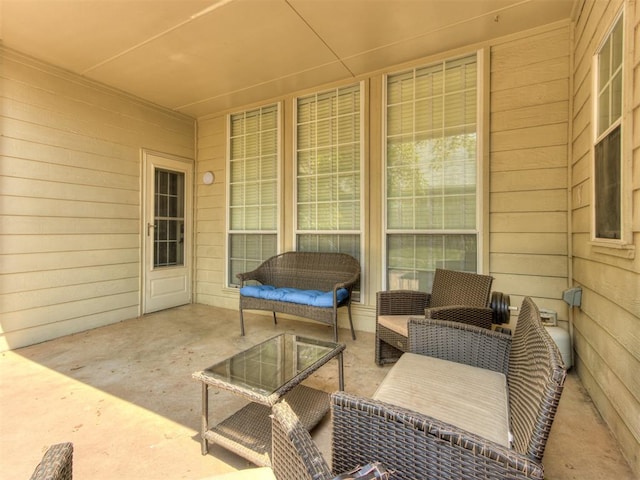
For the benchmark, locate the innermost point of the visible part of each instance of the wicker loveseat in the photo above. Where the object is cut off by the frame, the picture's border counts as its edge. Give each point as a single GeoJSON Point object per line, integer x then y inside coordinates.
{"type": "Point", "coordinates": [419, 445]}
{"type": "Point", "coordinates": [312, 285]}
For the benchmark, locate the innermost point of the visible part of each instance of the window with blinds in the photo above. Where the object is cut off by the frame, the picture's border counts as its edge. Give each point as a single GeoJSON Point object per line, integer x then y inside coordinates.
{"type": "Point", "coordinates": [328, 171]}
{"type": "Point", "coordinates": [253, 188]}
{"type": "Point", "coordinates": [608, 145]}
{"type": "Point", "coordinates": [431, 195]}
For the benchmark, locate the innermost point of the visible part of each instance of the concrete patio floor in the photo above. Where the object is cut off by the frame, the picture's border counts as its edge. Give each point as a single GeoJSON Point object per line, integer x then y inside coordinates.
{"type": "Point", "coordinates": [123, 394]}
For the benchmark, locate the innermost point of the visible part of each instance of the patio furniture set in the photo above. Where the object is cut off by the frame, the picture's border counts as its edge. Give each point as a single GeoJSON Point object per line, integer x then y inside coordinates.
{"type": "Point", "coordinates": [465, 398]}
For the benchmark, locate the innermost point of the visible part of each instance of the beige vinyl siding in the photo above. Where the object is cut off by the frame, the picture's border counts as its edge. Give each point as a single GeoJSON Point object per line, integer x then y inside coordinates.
{"type": "Point", "coordinates": [210, 215]}
{"type": "Point", "coordinates": [70, 199]}
{"type": "Point", "coordinates": [528, 164]}
{"type": "Point", "coordinates": [607, 325]}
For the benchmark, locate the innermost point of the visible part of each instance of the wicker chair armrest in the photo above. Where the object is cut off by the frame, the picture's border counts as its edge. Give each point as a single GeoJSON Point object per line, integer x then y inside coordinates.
{"type": "Point", "coordinates": [56, 464]}
{"type": "Point", "coordinates": [459, 342]}
{"type": "Point", "coordinates": [413, 445]}
{"type": "Point", "coordinates": [348, 284]}
{"type": "Point", "coordinates": [478, 316]}
{"type": "Point", "coordinates": [401, 302]}
{"type": "Point", "coordinates": [252, 275]}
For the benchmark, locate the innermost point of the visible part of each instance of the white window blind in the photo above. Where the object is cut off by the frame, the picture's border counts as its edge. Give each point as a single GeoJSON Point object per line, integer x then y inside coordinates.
{"type": "Point", "coordinates": [431, 172]}
{"type": "Point", "coordinates": [608, 145]}
{"type": "Point", "coordinates": [328, 177]}
{"type": "Point", "coordinates": [253, 188]}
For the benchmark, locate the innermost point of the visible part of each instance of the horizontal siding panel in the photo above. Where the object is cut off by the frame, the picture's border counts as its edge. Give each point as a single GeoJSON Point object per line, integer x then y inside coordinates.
{"type": "Point", "coordinates": [528, 159]}
{"type": "Point", "coordinates": [27, 244]}
{"type": "Point", "coordinates": [28, 336]}
{"type": "Point", "coordinates": [522, 222]}
{"type": "Point", "coordinates": [540, 179]}
{"type": "Point", "coordinates": [529, 243]}
{"type": "Point", "coordinates": [66, 208]}
{"type": "Point", "coordinates": [521, 264]}
{"type": "Point", "coordinates": [528, 50]}
{"type": "Point", "coordinates": [537, 115]}
{"type": "Point", "coordinates": [20, 225]}
{"type": "Point", "coordinates": [619, 285]}
{"type": "Point", "coordinates": [24, 187]}
{"type": "Point", "coordinates": [581, 221]}
{"type": "Point", "coordinates": [529, 201]}
{"type": "Point", "coordinates": [531, 95]}
{"type": "Point", "coordinates": [531, 137]}
{"type": "Point", "coordinates": [63, 295]}
{"type": "Point", "coordinates": [50, 172]}
{"type": "Point", "coordinates": [55, 313]}
{"type": "Point", "coordinates": [621, 395]}
{"type": "Point", "coordinates": [541, 287]}
{"type": "Point", "coordinates": [50, 136]}
{"type": "Point", "coordinates": [35, 262]}
{"type": "Point", "coordinates": [543, 71]}
{"type": "Point", "coordinates": [21, 149]}
{"type": "Point", "coordinates": [39, 281]}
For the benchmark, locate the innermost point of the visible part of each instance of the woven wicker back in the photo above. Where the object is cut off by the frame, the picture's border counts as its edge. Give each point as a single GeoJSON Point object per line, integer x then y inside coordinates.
{"type": "Point", "coordinates": [536, 378]}
{"type": "Point", "coordinates": [309, 270]}
{"type": "Point", "coordinates": [56, 464]}
{"type": "Point", "coordinates": [294, 455]}
{"type": "Point", "coordinates": [451, 287]}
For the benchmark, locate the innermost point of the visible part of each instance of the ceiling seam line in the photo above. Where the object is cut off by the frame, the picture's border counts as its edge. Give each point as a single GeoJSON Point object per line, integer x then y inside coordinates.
{"type": "Point", "coordinates": [335, 54]}
{"type": "Point", "coordinates": [158, 35]}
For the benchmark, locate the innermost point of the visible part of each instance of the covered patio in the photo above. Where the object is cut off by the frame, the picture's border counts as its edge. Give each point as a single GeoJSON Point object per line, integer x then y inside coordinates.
{"type": "Point", "coordinates": [123, 394]}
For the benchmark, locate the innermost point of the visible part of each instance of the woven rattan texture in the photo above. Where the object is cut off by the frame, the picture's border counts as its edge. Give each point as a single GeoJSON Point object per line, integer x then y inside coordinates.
{"type": "Point", "coordinates": [455, 296]}
{"type": "Point", "coordinates": [295, 456]}
{"type": "Point", "coordinates": [416, 446]}
{"type": "Point", "coordinates": [307, 271]}
{"type": "Point", "coordinates": [56, 464]}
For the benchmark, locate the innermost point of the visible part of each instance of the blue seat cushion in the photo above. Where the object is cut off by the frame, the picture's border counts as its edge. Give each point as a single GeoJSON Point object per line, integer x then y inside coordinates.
{"type": "Point", "coordinates": [314, 298]}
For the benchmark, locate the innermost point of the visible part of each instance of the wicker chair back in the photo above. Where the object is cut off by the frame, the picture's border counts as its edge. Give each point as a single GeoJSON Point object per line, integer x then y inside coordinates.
{"type": "Point", "coordinates": [535, 377]}
{"type": "Point", "coordinates": [308, 270]}
{"type": "Point", "coordinates": [451, 287]}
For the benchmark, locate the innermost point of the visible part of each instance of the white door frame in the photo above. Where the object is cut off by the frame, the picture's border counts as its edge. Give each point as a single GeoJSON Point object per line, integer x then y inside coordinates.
{"type": "Point", "coordinates": [164, 287]}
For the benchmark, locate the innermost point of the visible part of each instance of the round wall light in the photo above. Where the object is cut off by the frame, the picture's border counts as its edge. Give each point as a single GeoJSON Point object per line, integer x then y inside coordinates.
{"type": "Point", "coordinates": [208, 178]}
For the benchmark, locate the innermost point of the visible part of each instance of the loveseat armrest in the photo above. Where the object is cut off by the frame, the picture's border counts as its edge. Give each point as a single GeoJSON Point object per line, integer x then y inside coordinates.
{"type": "Point", "coordinates": [256, 275]}
{"type": "Point", "coordinates": [348, 284]}
{"type": "Point", "coordinates": [478, 316]}
{"type": "Point", "coordinates": [459, 342]}
{"type": "Point", "coordinates": [413, 445]}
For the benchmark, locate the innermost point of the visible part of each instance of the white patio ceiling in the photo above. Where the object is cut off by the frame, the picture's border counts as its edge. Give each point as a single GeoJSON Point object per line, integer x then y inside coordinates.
{"type": "Point", "coordinates": [202, 56]}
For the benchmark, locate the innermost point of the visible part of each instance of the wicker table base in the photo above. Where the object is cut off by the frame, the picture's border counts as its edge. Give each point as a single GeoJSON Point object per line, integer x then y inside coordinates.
{"type": "Point", "coordinates": [248, 431]}
{"type": "Point", "coordinates": [265, 374]}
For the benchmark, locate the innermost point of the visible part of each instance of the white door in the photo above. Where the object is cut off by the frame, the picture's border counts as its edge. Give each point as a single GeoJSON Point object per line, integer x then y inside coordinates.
{"type": "Point", "coordinates": [166, 232]}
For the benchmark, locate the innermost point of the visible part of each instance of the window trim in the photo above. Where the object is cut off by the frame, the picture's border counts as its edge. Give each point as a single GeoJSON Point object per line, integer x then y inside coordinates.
{"type": "Point", "coordinates": [279, 156]}
{"type": "Point", "coordinates": [482, 158]}
{"type": "Point", "coordinates": [361, 232]}
{"type": "Point", "coordinates": [621, 247]}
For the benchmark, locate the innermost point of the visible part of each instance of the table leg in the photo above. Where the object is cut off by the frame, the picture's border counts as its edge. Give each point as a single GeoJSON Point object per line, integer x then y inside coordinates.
{"type": "Point", "coordinates": [340, 372]}
{"type": "Point", "coordinates": [205, 418]}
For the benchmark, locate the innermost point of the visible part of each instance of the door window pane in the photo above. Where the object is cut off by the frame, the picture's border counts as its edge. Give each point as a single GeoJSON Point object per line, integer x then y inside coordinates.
{"type": "Point", "coordinates": [168, 242]}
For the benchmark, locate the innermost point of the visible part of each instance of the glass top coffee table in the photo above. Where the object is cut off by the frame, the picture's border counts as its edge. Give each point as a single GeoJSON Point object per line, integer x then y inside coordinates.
{"type": "Point", "coordinates": [264, 374]}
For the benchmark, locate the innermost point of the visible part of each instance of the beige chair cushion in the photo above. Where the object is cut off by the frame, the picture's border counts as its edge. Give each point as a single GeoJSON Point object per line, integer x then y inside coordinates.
{"type": "Point", "coordinates": [396, 323]}
{"type": "Point", "coordinates": [471, 398]}
{"type": "Point", "coordinates": [261, 473]}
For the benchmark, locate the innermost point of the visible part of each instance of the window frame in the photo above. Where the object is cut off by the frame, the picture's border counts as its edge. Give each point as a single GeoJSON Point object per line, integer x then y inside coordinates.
{"type": "Point", "coordinates": [482, 122]}
{"type": "Point", "coordinates": [278, 161]}
{"type": "Point", "coordinates": [622, 245]}
{"type": "Point", "coordinates": [296, 232]}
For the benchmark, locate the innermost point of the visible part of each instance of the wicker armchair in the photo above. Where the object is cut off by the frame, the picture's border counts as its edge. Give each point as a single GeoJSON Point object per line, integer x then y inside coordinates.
{"type": "Point", "coordinates": [417, 446]}
{"type": "Point", "coordinates": [455, 296]}
{"type": "Point", "coordinates": [56, 464]}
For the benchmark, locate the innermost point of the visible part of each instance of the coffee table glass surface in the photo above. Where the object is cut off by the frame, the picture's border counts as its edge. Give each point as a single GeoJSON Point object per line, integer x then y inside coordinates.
{"type": "Point", "coordinates": [264, 374]}
{"type": "Point", "coordinates": [268, 370]}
